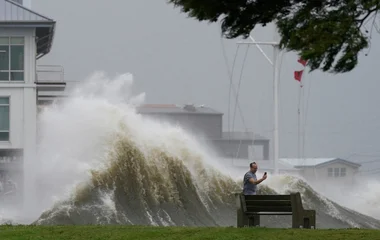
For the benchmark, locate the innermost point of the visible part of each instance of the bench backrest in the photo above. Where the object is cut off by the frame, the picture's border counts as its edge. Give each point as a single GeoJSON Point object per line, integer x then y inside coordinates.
{"type": "Point", "coordinates": [267, 203]}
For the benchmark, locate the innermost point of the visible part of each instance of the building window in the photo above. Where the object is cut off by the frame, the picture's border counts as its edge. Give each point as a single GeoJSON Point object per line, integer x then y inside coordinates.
{"type": "Point", "coordinates": [4, 119]}
{"type": "Point", "coordinates": [11, 58]}
{"type": "Point", "coordinates": [336, 172]}
{"type": "Point", "coordinates": [330, 172]}
{"type": "Point", "coordinates": [343, 172]}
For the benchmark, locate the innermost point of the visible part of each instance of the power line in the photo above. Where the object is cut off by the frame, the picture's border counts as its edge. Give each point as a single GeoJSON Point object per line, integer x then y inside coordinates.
{"type": "Point", "coordinates": [237, 104]}
{"type": "Point", "coordinates": [232, 86]}
{"type": "Point", "coordinates": [305, 118]}
{"type": "Point", "coordinates": [230, 75]}
{"type": "Point", "coordinates": [238, 88]}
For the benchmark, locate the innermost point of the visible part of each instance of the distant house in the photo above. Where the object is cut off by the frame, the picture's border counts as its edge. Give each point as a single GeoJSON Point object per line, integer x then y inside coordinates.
{"type": "Point", "coordinates": [207, 123]}
{"type": "Point", "coordinates": [323, 171]}
{"type": "Point", "coordinates": [316, 171]}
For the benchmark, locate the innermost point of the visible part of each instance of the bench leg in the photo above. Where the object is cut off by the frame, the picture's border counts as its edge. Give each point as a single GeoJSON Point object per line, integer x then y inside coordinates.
{"type": "Point", "coordinates": [244, 220]}
{"type": "Point", "coordinates": [304, 219]}
{"type": "Point", "coordinates": [254, 220]}
{"type": "Point", "coordinates": [309, 219]}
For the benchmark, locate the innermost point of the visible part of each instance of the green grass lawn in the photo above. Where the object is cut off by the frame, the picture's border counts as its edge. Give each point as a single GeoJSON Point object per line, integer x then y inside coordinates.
{"type": "Point", "coordinates": [178, 233]}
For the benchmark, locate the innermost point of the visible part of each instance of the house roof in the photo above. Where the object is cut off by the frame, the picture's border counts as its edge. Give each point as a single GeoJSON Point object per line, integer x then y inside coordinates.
{"type": "Point", "coordinates": [316, 162]}
{"type": "Point", "coordinates": [14, 15]}
{"type": "Point", "coordinates": [176, 109]}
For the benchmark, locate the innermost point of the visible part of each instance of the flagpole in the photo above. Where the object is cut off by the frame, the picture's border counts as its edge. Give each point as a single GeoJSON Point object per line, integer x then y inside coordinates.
{"type": "Point", "coordinates": [274, 63]}
{"type": "Point", "coordinates": [275, 112]}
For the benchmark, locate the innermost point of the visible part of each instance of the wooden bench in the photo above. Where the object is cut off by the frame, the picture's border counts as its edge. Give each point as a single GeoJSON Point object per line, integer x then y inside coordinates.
{"type": "Point", "coordinates": [250, 207]}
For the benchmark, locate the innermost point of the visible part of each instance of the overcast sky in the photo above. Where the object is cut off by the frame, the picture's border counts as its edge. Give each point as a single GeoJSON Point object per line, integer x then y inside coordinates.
{"type": "Point", "coordinates": [175, 59]}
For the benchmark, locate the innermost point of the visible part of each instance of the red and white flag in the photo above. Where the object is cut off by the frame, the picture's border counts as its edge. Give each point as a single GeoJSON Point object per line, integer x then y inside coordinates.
{"type": "Point", "coordinates": [298, 74]}
{"type": "Point", "coordinates": [302, 61]}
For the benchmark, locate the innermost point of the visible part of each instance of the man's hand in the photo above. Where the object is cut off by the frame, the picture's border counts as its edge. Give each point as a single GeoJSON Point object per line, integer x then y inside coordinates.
{"type": "Point", "coordinates": [264, 176]}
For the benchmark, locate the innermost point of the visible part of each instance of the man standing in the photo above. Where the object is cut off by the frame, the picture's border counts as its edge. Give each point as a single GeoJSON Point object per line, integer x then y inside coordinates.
{"type": "Point", "coordinates": [250, 181]}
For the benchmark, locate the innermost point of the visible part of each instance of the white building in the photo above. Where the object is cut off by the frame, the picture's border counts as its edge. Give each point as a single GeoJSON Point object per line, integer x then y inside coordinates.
{"type": "Point", "coordinates": [25, 36]}
{"type": "Point", "coordinates": [326, 171]}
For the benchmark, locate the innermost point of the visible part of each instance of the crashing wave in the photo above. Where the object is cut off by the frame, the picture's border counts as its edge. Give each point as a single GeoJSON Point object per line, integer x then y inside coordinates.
{"type": "Point", "coordinates": [102, 163]}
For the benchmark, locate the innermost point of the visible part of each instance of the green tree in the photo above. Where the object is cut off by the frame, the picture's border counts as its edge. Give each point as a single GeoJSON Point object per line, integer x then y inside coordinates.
{"type": "Point", "coordinates": [328, 33]}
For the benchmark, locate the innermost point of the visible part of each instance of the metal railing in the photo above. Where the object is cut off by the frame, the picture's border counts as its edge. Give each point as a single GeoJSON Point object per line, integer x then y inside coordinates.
{"type": "Point", "coordinates": [50, 73]}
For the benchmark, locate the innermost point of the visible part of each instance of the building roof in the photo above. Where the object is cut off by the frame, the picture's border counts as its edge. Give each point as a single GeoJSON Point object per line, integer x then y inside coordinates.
{"type": "Point", "coordinates": [14, 15]}
{"type": "Point", "coordinates": [176, 109]}
{"type": "Point", "coordinates": [316, 162]}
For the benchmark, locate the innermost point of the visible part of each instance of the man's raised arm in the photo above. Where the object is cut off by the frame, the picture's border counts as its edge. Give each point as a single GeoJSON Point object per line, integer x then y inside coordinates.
{"type": "Point", "coordinates": [258, 181]}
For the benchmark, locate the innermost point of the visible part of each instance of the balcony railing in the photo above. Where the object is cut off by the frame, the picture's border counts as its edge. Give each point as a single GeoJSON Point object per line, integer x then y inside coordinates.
{"type": "Point", "coordinates": [50, 73]}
